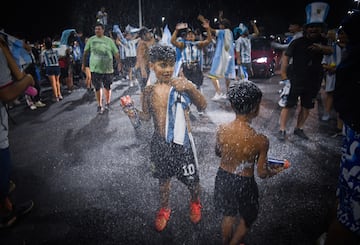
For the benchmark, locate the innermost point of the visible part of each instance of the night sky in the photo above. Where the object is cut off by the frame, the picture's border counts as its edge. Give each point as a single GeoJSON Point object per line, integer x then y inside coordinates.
{"type": "Point", "coordinates": [29, 20]}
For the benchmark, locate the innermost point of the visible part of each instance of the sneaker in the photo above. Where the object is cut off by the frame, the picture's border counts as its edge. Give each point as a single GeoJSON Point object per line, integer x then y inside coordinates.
{"type": "Point", "coordinates": [299, 132]}
{"type": "Point", "coordinates": [281, 135]}
{"type": "Point", "coordinates": [217, 97]}
{"type": "Point", "coordinates": [162, 218]}
{"type": "Point", "coordinates": [60, 97]}
{"type": "Point", "coordinates": [107, 107]}
{"type": "Point", "coordinates": [16, 213]}
{"type": "Point", "coordinates": [195, 212]}
{"type": "Point", "coordinates": [33, 107]}
{"type": "Point", "coordinates": [16, 102]}
{"type": "Point", "coordinates": [325, 117]}
{"type": "Point", "coordinates": [100, 109]}
{"type": "Point", "coordinates": [39, 104]}
{"type": "Point", "coordinates": [12, 186]}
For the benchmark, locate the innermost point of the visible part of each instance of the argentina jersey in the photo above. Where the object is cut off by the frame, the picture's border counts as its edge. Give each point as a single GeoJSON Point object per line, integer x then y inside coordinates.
{"type": "Point", "coordinates": [51, 57]}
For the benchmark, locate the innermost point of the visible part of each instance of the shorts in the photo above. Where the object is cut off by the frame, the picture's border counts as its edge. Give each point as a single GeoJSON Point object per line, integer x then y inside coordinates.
{"type": "Point", "coordinates": [64, 72]}
{"type": "Point", "coordinates": [330, 83]}
{"type": "Point", "coordinates": [307, 96]}
{"type": "Point", "coordinates": [348, 190]}
{"type": "Point", "coordinates": [101, 80]}
{"type": "Point", "coordinates": [235, 195]}
{"type": "Point", "coordinates": [193, 73]}
{"type": "Point", "coordinates": [170, 159]}
{"type": "Point", "coordinates": [52, 70]}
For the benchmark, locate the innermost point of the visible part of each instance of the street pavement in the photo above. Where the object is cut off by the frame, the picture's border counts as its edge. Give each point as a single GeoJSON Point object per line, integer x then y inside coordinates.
{"type": "Point", "coordinates": [89, 175]}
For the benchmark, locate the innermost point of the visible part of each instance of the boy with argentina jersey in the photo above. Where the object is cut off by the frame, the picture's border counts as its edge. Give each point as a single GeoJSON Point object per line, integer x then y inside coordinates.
{"type": "Point", "coordinates": [191, 53]}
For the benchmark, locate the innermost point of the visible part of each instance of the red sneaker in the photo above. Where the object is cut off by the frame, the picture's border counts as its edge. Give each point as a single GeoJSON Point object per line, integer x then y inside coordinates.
{"type": "Point", "coordinates": [195, 212]}
{"type": "Point", "coordinates": [162, 218]}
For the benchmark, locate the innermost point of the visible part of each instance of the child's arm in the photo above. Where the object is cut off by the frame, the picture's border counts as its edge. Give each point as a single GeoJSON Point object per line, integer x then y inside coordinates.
{"type": "Point", "coordinates": [174, 37]}
{"type": "Point", "coordinates": [208, 39]}
{"type": "Point", "coordinates": [197, 98]}
{"type": "Point", "coordinates": [262, 168]}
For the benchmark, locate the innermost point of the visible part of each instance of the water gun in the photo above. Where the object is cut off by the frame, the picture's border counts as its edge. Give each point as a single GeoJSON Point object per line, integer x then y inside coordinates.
{"type": "Point", "coordinates": [279, 162]}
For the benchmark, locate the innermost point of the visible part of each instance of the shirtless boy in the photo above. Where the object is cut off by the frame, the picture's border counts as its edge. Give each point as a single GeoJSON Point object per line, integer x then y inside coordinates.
{"type": "Point", "coordinates": [170, 159]}
{"type": "Point", "coordinates": [240, 148]}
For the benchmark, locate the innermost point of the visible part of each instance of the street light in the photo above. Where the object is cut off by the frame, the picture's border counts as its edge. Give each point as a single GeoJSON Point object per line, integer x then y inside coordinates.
{"type": "Point", "coordinates": [140, 15]}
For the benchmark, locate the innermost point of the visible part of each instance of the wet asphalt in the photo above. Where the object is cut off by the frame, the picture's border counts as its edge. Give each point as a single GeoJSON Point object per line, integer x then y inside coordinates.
{"type": "Point", "coordinates": [89, 175]}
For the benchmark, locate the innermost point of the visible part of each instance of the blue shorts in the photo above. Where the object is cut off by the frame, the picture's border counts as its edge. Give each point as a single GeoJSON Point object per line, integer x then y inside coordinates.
{"type": "Point", "coordinates": [52, 70]}
{"type": "Point", "coordinates": [348, 190]}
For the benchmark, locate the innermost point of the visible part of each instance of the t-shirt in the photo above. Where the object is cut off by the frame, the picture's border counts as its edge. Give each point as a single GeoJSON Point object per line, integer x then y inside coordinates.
{"type": "Point", "coordinates": [307, 67]}
{"type": "Point", "coordinates": [102, 51]}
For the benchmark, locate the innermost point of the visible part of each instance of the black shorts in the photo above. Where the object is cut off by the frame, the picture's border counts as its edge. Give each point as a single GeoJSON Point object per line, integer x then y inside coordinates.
{"type": "Point", "coordinates": [193, 73]}
{"type": "Point", "coordinates": [235, 195]}
{"type": "Point", "coordinates": [170, 159]}
{"type": "Point", "coordinates": [307, 96]}
{"type": "Point", "coordinates": [101, 80]}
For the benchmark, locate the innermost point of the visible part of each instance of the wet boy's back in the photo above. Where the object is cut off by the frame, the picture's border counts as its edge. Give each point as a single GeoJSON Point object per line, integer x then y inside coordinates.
{"type": "Point", "coordinates": [237, 143]}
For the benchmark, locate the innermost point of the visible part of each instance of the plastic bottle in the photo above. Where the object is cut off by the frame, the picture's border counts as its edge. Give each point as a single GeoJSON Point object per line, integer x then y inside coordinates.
{"type": "Point", "coordinates": [282, 162]}
{"type": "Point", "coordinates": [127, 105]}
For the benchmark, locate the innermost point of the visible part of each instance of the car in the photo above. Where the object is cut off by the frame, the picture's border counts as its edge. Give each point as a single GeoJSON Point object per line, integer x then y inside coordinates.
{"type": "Point", "coordinates": [264, 58]}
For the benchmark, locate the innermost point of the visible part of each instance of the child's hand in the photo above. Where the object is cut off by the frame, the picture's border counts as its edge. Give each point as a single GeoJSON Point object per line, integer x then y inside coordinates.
{"type": "Point", "coordinates": [181, 84]}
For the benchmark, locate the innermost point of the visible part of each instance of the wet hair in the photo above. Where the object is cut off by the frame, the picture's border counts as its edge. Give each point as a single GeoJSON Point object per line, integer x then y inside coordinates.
{"type": "Point", "coordinates": [244, 97]}
{"type": "Point", "coordinates": [162, 53]}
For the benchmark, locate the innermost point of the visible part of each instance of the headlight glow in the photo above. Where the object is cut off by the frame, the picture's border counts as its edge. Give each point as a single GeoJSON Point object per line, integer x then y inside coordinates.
{"type": "Point", "coordinates": [261, 60]}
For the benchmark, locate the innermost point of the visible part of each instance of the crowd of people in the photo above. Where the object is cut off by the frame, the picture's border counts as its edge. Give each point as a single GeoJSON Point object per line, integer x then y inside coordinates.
{"type": "Point", "coordinates": [314, 55]}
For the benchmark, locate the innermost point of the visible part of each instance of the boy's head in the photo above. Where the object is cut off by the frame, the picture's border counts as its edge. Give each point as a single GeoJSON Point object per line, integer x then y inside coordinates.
{"type": "Point", "coordinates": [162, 53]}
{"type": "Point", "coordinates": [244, 97]}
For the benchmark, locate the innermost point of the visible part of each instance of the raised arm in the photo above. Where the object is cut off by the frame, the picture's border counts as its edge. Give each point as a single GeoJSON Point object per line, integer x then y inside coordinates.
{"type": "Point", "coordinates": [174, 40]}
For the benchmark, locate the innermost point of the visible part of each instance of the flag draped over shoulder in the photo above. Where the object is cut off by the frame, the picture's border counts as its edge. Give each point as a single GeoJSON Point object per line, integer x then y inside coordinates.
{"type": "Point", "coordinates": [17, 49]}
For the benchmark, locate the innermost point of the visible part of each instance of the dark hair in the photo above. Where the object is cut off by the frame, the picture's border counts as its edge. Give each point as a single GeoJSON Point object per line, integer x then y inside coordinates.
{"type": "Point", "coordinates": [162, 53]}
{"type": "Point", "coordinates": [143, 31]}
{"type": "Point", "coordinates": [100, 24]}
{"type": "Point", "coordinates": [244, 97]}
{"type": "Point", "coordinates": [48, 43]}
{"type": "Point", "coordinates": [226, 23]}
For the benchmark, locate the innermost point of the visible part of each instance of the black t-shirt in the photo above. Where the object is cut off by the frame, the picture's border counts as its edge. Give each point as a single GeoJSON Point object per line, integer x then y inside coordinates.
{"type": "Point", "coordinates": [306, 66]}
